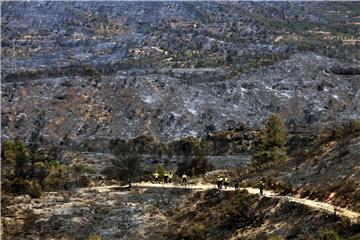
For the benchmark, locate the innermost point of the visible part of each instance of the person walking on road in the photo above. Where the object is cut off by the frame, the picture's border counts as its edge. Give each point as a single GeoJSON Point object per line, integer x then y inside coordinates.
{"type": "Point", "coordinates": [236, 183]}
{"type": "Point", "coordinates": [261, 187]}
{"type": "Point", "coordinates": [156, 177]}
{"type": "Point", "coordinates": [166, 177]}
{"type": "Point", "coordinates": [170, 177]}
{"type": "Point", "coordinates": [184, 179]}
{"type": "Point", "coordinates": [219, 181]}
{"type": "Point", "coordinates": [226, 182]}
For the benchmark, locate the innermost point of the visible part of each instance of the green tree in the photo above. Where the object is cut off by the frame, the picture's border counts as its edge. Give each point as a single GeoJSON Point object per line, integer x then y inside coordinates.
{"type": "Point", "coordinates": [274, 133]}
{"type": "Point", "coordinates": [14, 152]}
{"type": "Point", "coordinates": [27, 170]}
{"type": "Point", "coordinates": [272, 141]}
{"type": "Point", "coordinates": [186, 146]}
{"type": "Point", "coordinates": [195, 161]}
{"type": "Point", "coordinates": [8, 152]}
{"type": "Point", "coordinates": [127, 162]}
{"type": "Point", "coordinates": [22, 159]}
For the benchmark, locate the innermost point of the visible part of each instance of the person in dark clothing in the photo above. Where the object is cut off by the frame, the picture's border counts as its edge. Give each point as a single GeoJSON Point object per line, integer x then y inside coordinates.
{"type": "Point", "coordinates": [236, 184]}
{"type": "Point", "coordinates": [170, 177]}
{"type": "Point", "coordinates": [166, 177]}
{"type": "Point", "coordinates": [261, 187]}
{"type": "Point", "coordinates": [219, 181]}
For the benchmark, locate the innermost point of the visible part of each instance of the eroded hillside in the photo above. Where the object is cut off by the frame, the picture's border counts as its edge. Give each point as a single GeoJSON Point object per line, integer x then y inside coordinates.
{"type": "Point", "coordinates": [327, 170]}
{"type": "Point", "coordinates": [96, 95]}
{"type": "Point", "coordinates": [105, 70]}
{"type": "Point", "coordinates": [163, 213]}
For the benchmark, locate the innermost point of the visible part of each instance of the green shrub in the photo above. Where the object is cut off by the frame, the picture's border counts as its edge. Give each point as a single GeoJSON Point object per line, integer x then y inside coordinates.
{"type": "Point", "coordinates": [22, 161]}
{"type": "Point", "coordinates": [351, 128]}
{"type": "Point", "coordinates": [356, 125]}
{"type": "Point", "coordinates": [194, 231]}
{"type": "Point", "coordinates": [160, 169]}
{"type": "Point", "coordinates": [18, 186]}
{"type": "Point", "coordinates": [186, 146]}
{"type": "Point", "coordinates": [84, 181]}
{"type": "Point", "coordinates": [8, 152]}
{"type": "Point", "coordinates": [194, 166]}
{"type": "Point", "coordinates": [21, 186]}
{"type": "Point", "coordinates": [57, 178]}
{"type": "Point", "coordinates": [152, 210]}
{"type": "Point", "coordinates": [6, 185]}
{"type": "Point", "coordinates": [94, 237]}
{"type": "Point", "coordinates": [110, 172]}
{"type": "Point", "coordinates": [275, 238]}
{"type": "Point", "coordinates": [29, 171]}
{"type": "Point", "coordinates": [237, 205]}
{"type": "Point", "coordinates": [82, 168]}
{"type": "Point", "coordinates": [18, 156]}
{"type": "Point", "coordinates": [338, 130]}
{"type": "Point", "coordinates": [40, 172]}
{"type": "Point", "coordinates": [329, 235]}
{"type": "Point", "coordinates": [54, 163]}
{"type": "Point", "coordinates": [34, 190]}
{"type": "Point", "coordinates": [344, 188]}
{"type": "Point", "coordinates": [91, 71]}
{"type": "Point", "coordinates": [143, 144]}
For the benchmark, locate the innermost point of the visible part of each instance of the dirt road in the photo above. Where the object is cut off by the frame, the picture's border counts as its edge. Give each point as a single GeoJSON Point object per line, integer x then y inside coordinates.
{"type": "Point", "coordinates": [351, 215]}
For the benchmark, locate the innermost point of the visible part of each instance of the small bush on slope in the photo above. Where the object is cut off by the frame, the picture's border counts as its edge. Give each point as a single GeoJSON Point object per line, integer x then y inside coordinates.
{"type": "Point", "coordinates": [329, 235]}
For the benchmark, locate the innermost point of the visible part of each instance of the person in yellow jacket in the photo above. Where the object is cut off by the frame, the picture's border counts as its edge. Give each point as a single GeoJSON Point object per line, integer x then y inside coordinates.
{"type": "Point", "coordinates": [226, 182]}
{"type": "Point", "coordinates": [170, 177]}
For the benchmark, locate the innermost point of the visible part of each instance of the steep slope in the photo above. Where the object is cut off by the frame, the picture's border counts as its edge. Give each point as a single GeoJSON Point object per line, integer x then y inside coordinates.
{"type": "Point", "coordinates": [327, 171]}
{"type": "Point", "coordinates": [332, 173]}
{"type": "Point", "coordinates": [161, 103]}
{"type": "Point", "coordinates": [162, 213]}
{"type": "Point", "coordinates": [341, 212]}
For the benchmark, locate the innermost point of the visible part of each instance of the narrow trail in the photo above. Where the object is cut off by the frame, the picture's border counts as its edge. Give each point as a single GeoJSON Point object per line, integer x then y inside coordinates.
{"type": "Point", "coordinates": [351, 215]}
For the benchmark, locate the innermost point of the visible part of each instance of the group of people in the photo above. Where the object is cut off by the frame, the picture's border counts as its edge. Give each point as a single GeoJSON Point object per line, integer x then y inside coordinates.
{"type": "Point", "coordinates": [222, 180]}
{"type": "Point", "coordinates": [167, 177]}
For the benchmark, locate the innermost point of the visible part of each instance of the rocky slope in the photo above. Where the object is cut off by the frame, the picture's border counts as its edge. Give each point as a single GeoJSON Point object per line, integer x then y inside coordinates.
{"type": "Point", "coordinates": [108, 213]}
{"type": "Point", "coordinates": [94, 71]}
{"type": "Point", "coordinates": [77, 74]}
{"type": "Point", "coordinates": [327, 170]}
{"type": "Point", "coordinates": [302, 89]}
{"type": "Point", "coordinates": [331, 173]}
{"type": "Point", "coordinates": [161, 213]}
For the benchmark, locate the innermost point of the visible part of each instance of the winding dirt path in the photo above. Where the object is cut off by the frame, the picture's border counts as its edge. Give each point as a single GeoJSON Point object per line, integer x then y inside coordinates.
{"type": "Point", "coordinates": [351, 215]}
